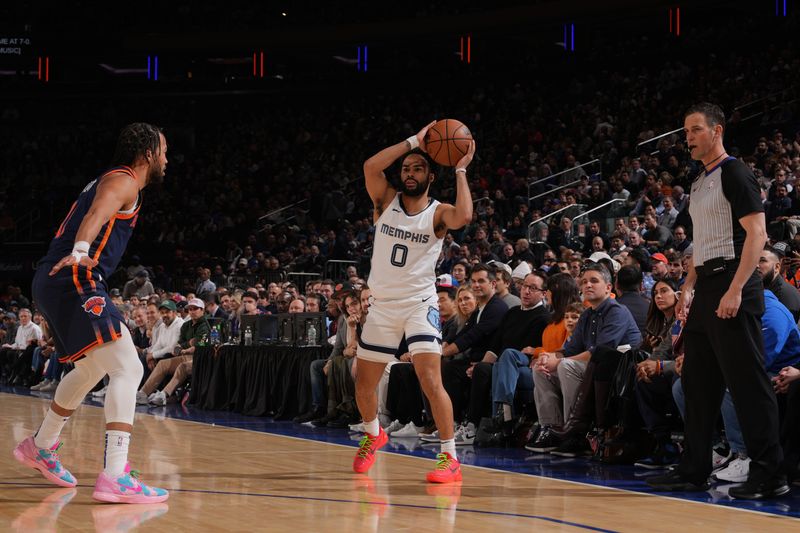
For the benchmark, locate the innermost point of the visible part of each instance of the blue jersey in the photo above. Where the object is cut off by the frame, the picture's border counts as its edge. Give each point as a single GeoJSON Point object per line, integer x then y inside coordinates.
{"type": "Point", "coordinates": [111, 241]}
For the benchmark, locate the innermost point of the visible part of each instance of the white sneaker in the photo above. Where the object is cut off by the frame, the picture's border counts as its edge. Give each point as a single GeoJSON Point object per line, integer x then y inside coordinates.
{"type": "Point", "coordinates": [394, 426]}
{"type": "Point", "coordinates": [50, 387]}
{"type": "Point", "coordinates": [735, 472]}
{"type": "Point", "coordinates": [719, 461]}
{"type": "Point", "coordinates": [100, 393]}
{"type": "Point", "coordinates": [141, 398]}
{"type": "Point", "coordinates": [158, 398]}
{"type": "Point", "coordinates": [40, 385]}
{"type": "Point", "coordinates": [409, 430]}
{"type": "Point", "coordinates": [433, 437]}
{"type": "Point", "coordinates": [357, 428]}
{"type": "Point", "coordinates": [464, 435]}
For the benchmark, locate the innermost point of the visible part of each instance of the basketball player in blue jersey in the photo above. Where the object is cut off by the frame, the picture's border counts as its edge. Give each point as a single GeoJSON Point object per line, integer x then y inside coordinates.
{"type": "Point", "coordinates": [70, 290]}
{"type": "Point", "coordinates": [409, 228]}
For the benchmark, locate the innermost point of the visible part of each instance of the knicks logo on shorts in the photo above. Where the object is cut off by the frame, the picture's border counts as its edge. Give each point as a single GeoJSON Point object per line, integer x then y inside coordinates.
{"type": "Point", "coordinates": [433, 318]}
{"type": "Point", "coordinates": [95, 305]}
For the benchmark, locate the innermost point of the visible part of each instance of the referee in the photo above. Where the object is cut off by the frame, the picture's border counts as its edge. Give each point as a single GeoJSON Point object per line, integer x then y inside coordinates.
{"type": "Point", "coordinates": [722, 337]}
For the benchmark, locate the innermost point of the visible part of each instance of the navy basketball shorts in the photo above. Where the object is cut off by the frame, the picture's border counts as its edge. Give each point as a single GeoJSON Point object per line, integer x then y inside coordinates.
{"type": "Point", "coordinates": [77, 308]}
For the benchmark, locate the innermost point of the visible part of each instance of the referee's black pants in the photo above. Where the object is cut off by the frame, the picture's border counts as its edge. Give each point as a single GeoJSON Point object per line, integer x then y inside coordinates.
{"type": "Point", "coordinates": [730, 352]}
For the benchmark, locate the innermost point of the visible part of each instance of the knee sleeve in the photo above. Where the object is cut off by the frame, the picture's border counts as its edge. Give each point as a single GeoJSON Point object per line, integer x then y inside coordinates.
{"type": "Point", "coordinates": [121, 362]}
{"type": "Point", "coordinates": [77, 384]}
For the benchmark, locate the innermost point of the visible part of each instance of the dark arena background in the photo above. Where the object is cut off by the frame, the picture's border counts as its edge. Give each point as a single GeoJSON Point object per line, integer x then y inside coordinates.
{"type": "Point", "coordinates": [270, 110]}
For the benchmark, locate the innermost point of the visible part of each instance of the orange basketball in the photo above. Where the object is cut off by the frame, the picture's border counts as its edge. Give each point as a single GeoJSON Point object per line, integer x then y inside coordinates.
{"type": "Point", "coordinates": [448, 141]}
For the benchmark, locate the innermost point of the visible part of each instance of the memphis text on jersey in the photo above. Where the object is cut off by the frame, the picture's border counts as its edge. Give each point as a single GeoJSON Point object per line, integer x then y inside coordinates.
{"type": "Point", "coordinates": [404, 235]}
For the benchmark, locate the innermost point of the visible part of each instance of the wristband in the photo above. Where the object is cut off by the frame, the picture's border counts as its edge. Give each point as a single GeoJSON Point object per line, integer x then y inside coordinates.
{"type": "Point", "coordinates": [461, 169]}
{"type": "Point", "coordinates": [81, 246]}
{"type": "Point", "coordinates": [413, 142]}
{"type": "Point", "coordinates": [80, 250]}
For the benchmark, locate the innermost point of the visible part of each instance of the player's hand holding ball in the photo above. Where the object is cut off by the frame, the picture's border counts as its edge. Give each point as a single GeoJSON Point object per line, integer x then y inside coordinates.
{"type": "Point", "coordinates": [449, 142]}
{"type": "Point", "coordinates": [422, 136]}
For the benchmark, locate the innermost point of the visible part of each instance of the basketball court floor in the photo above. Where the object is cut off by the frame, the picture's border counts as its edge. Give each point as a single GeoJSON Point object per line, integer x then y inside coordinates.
{"type": "Point", "coordinates": [235, 473]}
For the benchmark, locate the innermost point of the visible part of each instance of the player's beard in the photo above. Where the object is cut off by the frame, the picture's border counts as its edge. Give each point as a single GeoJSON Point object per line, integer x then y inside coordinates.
{"type": "Point", "coordinates": [419, 190]}
{"type": "Point", "coordinates": [155, 175]}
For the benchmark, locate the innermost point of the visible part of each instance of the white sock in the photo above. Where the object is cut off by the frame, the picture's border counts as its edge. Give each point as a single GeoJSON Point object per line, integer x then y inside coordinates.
{"type": "Point", "coordinates": [51, 427]}
{"type": "Point", "coordinates": [116, 452]}
{"type": "Point", "coordinates": [449, 446]}
{"type": "Point", "coordinates": [373, 427]}
{"type": "Point", "coordinates": [506, 412]}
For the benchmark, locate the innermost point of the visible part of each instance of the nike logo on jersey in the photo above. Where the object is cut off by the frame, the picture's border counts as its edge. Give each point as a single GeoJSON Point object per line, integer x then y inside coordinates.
{"type": "Point", "coordinates": [396, 210]}
{"type": "Point", "coordinates": [426, 299]}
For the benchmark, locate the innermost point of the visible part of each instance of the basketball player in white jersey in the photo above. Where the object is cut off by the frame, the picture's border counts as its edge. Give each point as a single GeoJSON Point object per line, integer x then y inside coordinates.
{"type": "Point", "coordinates": [409, 228]}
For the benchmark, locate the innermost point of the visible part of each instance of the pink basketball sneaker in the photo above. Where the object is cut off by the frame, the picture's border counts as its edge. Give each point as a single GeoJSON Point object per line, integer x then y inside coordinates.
{"type": "Point", "coordinates": [45, 461]}
{"type": "Point", "coordinates": [126, 489]}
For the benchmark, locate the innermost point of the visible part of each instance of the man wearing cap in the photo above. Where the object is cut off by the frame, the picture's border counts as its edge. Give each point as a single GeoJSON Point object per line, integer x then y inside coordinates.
{"type": "Point", "coordinates": [519, 273]}
{"type": "Point", "coordinates": [504, 281]}
{"type": "Point", "coordinates": [769, 266]}
{"type": "Point", "coordinates": [139, 286]}
{"type": "Point", "coordinates": [180, 366]}
{"type": "Point", "coordinates": [165, 334]}
{"type": "Point", "coordinates": [9, 326]}
{"type": "Point", "coordinates": [789, 260]}
{"type": "Point", "coordinates": [659, 266]}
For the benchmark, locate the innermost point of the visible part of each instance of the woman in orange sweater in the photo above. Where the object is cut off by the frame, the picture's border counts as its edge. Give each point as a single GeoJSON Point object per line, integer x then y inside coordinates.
{"type": "Point", "coordinates": [562, 290]}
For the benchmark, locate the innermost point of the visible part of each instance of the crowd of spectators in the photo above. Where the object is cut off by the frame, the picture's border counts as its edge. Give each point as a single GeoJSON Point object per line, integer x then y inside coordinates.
{"type": "Point", "coordinates": [208, 245]}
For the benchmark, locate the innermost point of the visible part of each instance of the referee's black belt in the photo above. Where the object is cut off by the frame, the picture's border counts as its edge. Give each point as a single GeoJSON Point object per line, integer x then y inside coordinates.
{"type": "Point", "coordinates": [718, 265]}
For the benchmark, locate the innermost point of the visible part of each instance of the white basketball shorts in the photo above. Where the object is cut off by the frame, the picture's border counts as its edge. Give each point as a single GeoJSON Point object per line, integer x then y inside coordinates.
{"type": "Point", "coordinates": [388, 320]}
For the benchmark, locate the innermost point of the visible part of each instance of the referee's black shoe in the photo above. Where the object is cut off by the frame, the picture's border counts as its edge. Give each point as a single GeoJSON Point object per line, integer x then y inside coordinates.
{"type": "Point", "coordinates": [675, 482]}
{"type": "Point", "coordinates": [772, 488]}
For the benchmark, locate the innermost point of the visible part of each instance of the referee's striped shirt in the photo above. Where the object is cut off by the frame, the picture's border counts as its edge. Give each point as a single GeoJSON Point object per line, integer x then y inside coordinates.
{"type": "Point", "coordinates": [720, 197]}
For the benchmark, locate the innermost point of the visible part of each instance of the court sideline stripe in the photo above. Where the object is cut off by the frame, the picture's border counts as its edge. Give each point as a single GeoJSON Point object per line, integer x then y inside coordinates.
{"type": "Point", "coordinates": [495, 470]}
{"type": "Point", "coordinates": [360, 502]}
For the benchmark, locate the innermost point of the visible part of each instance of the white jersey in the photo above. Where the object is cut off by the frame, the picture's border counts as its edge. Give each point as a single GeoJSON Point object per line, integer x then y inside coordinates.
{"type": "Point", "coordinates": [404, 253]}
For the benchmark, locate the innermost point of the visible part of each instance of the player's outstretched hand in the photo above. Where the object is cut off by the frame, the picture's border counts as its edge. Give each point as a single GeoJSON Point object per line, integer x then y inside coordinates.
{"type": "Point", "coordinates": [467, 159]}
{"type": "Point", "coordinates": [69, 260]}
{"type": "Point", "coordinates": [421, 136]}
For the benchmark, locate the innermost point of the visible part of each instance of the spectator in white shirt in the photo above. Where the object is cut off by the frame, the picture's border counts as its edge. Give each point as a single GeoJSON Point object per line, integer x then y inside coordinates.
{"type": "Point", "coordinates": [28, 334]}
{"type": "Point", "coordinates": [165, 335]}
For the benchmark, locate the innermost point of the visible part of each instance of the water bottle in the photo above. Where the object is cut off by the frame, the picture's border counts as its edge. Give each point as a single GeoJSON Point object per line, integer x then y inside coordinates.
{"type": "Point", "coordinates": [248, 336]}
{"type": "Point", "coordinates": [215, 336]}
{"type": "Point", "coordinates": [311, 334]}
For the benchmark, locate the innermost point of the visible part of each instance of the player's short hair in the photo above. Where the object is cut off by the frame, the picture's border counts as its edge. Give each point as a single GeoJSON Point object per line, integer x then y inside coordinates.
{"type": "Point", "coordinates": [135, 140]}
